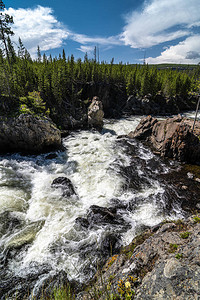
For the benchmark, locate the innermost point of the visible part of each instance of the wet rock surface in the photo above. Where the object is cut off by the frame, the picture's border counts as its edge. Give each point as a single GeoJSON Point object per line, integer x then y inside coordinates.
{"type": "Point", "coordinates": [172, 138]}
{"type": "Point", "coordinates": [65, 184]}
{"type": "Point", "coordinates": [162, 263]}
{"type": "Point", "coordinates": [28, 133]}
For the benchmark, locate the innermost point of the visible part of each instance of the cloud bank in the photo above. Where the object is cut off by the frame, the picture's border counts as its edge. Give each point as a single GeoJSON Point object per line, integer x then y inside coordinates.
{"type": "Point", "coordinates": [161, 21]}
{"type": "Point", "coordinates": [187, 52]}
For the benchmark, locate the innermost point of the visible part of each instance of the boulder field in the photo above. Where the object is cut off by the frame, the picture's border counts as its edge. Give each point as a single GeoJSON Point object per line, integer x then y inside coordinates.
{"type": "Point", "coordinates": [172, 138]}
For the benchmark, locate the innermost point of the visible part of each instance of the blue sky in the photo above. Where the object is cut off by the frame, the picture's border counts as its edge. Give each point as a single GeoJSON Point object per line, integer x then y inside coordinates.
{"type": "Point", "coordinates": [164, 31]}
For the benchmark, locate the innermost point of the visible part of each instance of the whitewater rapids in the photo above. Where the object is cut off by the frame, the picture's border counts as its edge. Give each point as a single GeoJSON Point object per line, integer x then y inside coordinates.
{"type": "Point", "coordinates": [42, 230]}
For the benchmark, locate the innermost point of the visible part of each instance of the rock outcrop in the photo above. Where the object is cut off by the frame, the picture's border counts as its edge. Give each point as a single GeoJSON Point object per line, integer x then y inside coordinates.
{"type": "Point", "coordinates": [162, 263]}
{"type": "Point", "coordinates": [158, 104]}
{"type": "Point", "coordinates": [171, 138]}
{"type": "Point", "coordinates": [95, 113]}
{"type": "Point", "coordinates": [28, 133]}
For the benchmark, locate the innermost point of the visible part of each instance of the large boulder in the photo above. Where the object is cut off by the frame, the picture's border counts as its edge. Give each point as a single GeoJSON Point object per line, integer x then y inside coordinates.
{"type": "Point", "coordinates": [173, 137]}
{"type": "Point", "coordinates": [28, 133]}
{"type": "Point", "coordinates": [95, 113]}
{"type": "Point", "coordinates": [113, 96]}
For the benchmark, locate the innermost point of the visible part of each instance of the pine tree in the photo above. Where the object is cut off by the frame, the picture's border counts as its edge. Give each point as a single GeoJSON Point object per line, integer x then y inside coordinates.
{"type": "Point", "coordinates": [21, 49]}
{"type": "Point", "coordinates": [5, 29]}
{"type": "Point", "coordinates": [145, 83]}
{"type": "Point", "coordinates": [11, 51]}
{"type": "Point", "coordinates": [39, 56]}
{"type": "Point", "coordinates": [63, 55]}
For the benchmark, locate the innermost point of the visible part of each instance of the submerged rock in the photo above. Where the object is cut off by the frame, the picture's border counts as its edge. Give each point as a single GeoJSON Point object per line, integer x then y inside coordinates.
{"type": "Point", "coordinates": [98, 215]}
{"type": "Point", "coordinates": [8, 222]}
{"type": "Point", "coordinates": [95, 114]}
{"type": "Point", "coordinates": [65, 184]}
{"type": "Point", "coordinates": [24, 236]}
{"type": "Point", "coordinates": [28, 133]}
{"type": "Point", "coordinates": [171, 138]}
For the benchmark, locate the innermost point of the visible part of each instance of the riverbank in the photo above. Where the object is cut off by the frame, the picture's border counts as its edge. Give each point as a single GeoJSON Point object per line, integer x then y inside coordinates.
{"type": "Point", "coordinates": [161, 263]}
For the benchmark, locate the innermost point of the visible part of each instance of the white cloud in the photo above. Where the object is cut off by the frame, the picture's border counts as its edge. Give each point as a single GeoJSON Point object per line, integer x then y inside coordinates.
{"type": "Point", "coordinates": [84, 39]}
{"type": "Point", "coordinates": [38, 26]}
{"type": "Point", "coordinates": [84, 49]}
{"type": "Point", "coordinates": [161, 21]}
{"type": "Point", "coordinates": [187, 52]}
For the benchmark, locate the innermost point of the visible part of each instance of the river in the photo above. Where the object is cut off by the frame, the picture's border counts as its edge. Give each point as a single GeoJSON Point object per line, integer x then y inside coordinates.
{"type": "Point", "coordinates": [39, 234]}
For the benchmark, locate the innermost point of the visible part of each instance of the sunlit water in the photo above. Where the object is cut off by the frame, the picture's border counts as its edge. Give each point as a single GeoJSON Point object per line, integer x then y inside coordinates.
{"type": "Point", "coordinates": [92, 161]}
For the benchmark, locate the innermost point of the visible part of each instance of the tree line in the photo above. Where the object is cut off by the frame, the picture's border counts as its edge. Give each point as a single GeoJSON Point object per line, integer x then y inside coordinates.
{"type": "Point", "coordinates": [62, 79]}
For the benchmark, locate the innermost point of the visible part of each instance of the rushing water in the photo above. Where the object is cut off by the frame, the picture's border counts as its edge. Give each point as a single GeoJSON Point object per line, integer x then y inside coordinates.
{"type": "Point", "coordinates": [39, 235]}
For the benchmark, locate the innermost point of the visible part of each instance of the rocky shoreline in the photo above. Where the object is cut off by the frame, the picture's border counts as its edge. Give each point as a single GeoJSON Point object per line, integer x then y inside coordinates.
{"type": "Point", "coordinates": [172, 138]}
{"type": "Point", "coordinates": [161, 263]}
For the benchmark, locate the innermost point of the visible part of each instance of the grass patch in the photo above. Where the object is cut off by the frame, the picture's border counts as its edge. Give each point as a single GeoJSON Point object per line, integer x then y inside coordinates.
{"type": "Point", "coordinates": [179, 255]}
{"type": "Point", "coordinates": [138, 240]}
{"type": "Point", "coordinates": [185, 235]}
{"type": "Point", "coordinates": [62, 293]}
{"type": "Point", "coordinates": [196, 219]}
{"type": "Point", "coordinates": [172, 248]}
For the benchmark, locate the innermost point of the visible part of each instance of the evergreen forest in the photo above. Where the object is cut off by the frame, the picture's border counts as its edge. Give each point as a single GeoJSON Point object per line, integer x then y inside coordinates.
{"type": "Point", "coordinates": [49, 84]}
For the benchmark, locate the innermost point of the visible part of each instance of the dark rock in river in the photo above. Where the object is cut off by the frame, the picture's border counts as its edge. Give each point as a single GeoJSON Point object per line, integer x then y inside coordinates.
{"type": "Point", "coordinates": [8, 222]}
{"type": "Point", "coordinates": [137, 106]}
{"type": "Point", "coordinates": [82, 223]}
{"type": "Point", "coordinates": [110, 244]}
{"type": "Point", "coordinates": [171, 138]}
{"type": "Point", "coordinates": [102, 215]}
{"type": "Point", "coordinates": [66, 185]}
{"type": "Point", "coordinates": [28, 133]}
{"type": "Point", "coordinates": [113, 96]}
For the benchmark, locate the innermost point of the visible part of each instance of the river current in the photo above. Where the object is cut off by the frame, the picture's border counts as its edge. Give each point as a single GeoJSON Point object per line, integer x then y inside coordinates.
{"type": "Point", "coordinates": [39, 235]}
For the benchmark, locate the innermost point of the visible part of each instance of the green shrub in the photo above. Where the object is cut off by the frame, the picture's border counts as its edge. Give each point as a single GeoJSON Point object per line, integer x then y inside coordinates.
{"type": "Point", "coordinates": [196, 219]}
{"type": "Point", "coordinates": [62, 293]}
{"type": "Point", "coordinates": [33, 104]}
